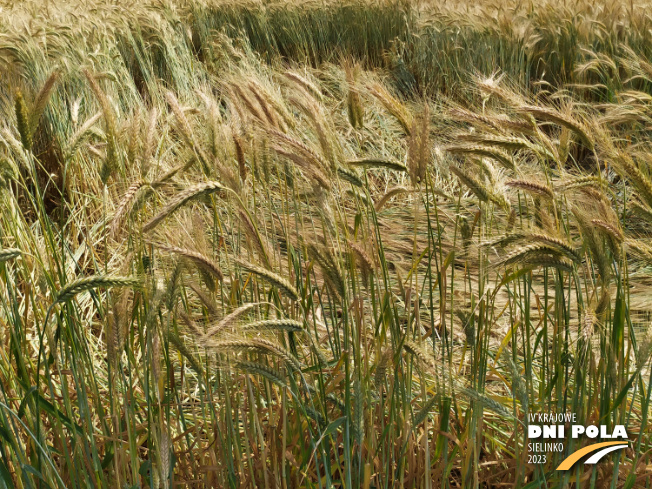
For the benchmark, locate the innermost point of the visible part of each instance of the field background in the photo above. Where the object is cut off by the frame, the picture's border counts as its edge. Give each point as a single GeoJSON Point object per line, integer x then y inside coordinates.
{"type": "Point", "coordinates": [322, 244]}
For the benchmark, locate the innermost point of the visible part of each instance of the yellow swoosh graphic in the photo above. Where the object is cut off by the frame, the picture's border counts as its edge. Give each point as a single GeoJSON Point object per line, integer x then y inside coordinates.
{"type": "Point", "coordinates": [574, 457]}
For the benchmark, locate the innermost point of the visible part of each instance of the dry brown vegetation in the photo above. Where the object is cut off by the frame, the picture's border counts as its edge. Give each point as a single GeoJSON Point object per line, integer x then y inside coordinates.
{"type": "Point", "coordinates": [322, 245]}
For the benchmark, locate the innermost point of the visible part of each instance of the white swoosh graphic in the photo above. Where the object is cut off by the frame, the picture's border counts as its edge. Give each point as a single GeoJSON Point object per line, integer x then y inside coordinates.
{"type": "Point", "coordinates": [595, 458]}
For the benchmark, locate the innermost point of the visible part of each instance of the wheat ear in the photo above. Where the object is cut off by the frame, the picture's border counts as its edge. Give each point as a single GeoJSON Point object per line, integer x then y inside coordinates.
{"type": "Point", "coordinates": [22, 121]}
{"type": "Point", "coordinates": [487, 151]}
{"type": "Point", "coordinates": [7, 254]}
{"type": "Point", "coordinates": [228, 319]}
{"type": "Point", "coordinates": [197, 258]}
{"type": "Point", "coordinates": [275, 324]}
{"type": "Point", "coordinates": [530, 251]}
{"type": "Point", "coordinates": [350, 176]}
{"type": "Point", "coordinates": [275, 376]}
{"type": "Point", "coordinates": [304, 83]}
{"type": "Point", "coordinates": [186, 131]}
{"type": "Point", "coordinates": [378, 163]}
{"type": "Point", "coordinates": [260, 345]}
{"type": "Point", "coordinates": [111, 127]}
{"type": "Point", "coordinates": [393, 106]}
{"type": "Point", "coordinates": [532, 187]}
{"type": "Point", "coordinates": [551, 115]}
{"type": "Point", "coordinates": [271, 277]}
{"type": "Point", "coordinates": [42, 99]}
{"type": "Point", "coordinates": [125, 204]}
{"type": "Point", "coordinates": [185, 351]}
{"type": "Point", "coordinates": [475, 186]}
{"type": "Point", "coordinates": [392, 192]}
{"type": "Point", "coordinates": [561, 245]}
{"type": "Point", "coordinates": [78, 136]}
{"type": "Point", "coordinates": [182, 198]}
{"type": "Point", "coordinates": [92, 282]}
{"type": "Point", "coordinates": [413, 349]}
